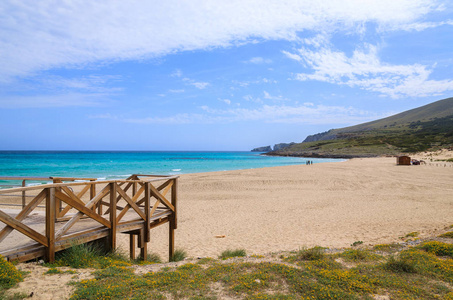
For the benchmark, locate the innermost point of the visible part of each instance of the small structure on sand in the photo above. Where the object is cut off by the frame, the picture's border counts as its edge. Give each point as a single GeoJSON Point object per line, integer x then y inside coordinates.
{"type": "Point", "coordinates": [403, 160]}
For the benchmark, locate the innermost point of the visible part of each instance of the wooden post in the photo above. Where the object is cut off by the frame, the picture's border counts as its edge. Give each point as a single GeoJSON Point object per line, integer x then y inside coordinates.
{"type": "Point", "coordinates": [112, 238]}
{"type": "Point", "coordinates": [173, 220]}
{"type": "Point", "coordinates": [144, 252]}
{"type": "Point", "coordinates": [23, 195]}
{"type": "Point", "coordinates": [50, 225]}
{"type": "Point", "coordinates": [92, 195]}
{"type": "Point", "coordinates": [132, 246]}
{"type": "Point", "coordinates": [147, 212]}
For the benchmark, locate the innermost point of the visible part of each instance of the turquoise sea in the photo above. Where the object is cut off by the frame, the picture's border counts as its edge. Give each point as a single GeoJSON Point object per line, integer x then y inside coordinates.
{"type": "Point", "coordinates": [121, 164]}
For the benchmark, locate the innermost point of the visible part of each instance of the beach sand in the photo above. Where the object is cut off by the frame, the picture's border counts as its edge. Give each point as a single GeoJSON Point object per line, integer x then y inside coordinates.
{"type": "Point", "coordinates": [328, 204]}
{"type": "Point", "coordinates": [287, 208]}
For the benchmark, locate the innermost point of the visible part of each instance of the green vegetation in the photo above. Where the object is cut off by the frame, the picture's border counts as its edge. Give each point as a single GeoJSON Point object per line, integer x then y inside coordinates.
{"type": "Point", "coordinates": [307, 274]}
{"type": "Point", "coordinates": [88, 256]}
{"type": "Point", "coordinates": [232, 253]}
{"type": "Point", "coordinates": [412, 234]}
{"type": "Point", "coordinates": [447, 235]}
{"type": "Point", "coordinates": [9, 276]}
{"type": "Point", "coordinates": [422, 272]}
{"type": "Point", "coordinates": [315, 253]}
{"type": "Point", "coordinates": [356, 243]}
{"type": "Point", "coordinates": [179, 255]}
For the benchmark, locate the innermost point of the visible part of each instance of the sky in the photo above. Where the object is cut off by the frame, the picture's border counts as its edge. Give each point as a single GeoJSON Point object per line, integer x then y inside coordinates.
{"type": "Point", "coordinates": [213, 75]}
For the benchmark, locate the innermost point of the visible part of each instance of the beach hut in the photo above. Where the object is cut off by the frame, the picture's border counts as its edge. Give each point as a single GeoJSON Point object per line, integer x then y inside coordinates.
{"type": "Point", "coordinates": [403, 160]}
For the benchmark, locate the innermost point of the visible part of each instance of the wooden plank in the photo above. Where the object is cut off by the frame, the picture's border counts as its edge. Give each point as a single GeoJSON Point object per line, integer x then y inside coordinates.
{"type": "Point", "coordinates": [105, 191]}
{"type": "Point", "coordinates": [83, 209]}
{"type": "Point", "coordinates": [73, 196]}
{"type": "Point", "coordinates": [50, 225]}
{"type": "Point", "coordinates": [24, 213]}
{"type": "Point", "coordinates": [22, 228]}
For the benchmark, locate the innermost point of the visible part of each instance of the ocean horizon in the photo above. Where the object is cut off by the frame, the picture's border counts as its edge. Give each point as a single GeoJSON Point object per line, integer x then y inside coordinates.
{"type": "Point", "coordinates": [121, 164]}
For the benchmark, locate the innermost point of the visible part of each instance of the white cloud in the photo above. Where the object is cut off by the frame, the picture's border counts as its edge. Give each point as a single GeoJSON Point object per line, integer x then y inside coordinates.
{"type": "Point", "coordinates": [259, 60]}
{"type": "Point", "coordinates": [364, 69]}
{"type": "Point", "coordinates": [60, 100]}
{"type": "Point", "coordinates": [176, 91]}
{"type": "Point", "coordinates": [275, 98]}
{"type": "Point", "coordinates": [302, 114]}
{"type": "Point", "coordinates": [198, 85]}
{"type": "Point", "coordinates": [41, 35]}
{"type": "Point", "coordinates": [176, 73]}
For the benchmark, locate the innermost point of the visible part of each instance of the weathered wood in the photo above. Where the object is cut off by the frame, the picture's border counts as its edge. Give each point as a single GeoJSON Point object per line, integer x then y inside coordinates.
{"type": "Point", "coordinates": [50, 225]}
{"type": "Point", "coordinates": [147, 213]}
{"type": "Point", "coordinates": [112, 237]}
{"type": "Point", "coordinates": [22, 228]}
{"type": "Point", "coordinates": [130, 203]}
{"type": "Point", "coordinates": [78, 215]}
{"type": "Point", "coordinates": [162, 198]}
{"type": "Point", "coordinates": [144, 252]}
{"type": "Point", "coordinates": [174, 202]}
{"type": "Point", "coordinates": [24, 213]}
{"type": "Point", "coordinates": [23, 195]}
{"type": "Point", "coordinates": [132, 246]}
{"type": "Point", "coordinates": [83, 209]}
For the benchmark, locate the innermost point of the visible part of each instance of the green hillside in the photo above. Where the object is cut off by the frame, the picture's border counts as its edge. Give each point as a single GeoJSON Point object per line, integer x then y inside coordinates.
{"type": "Point", "coordinates": [429, 127]}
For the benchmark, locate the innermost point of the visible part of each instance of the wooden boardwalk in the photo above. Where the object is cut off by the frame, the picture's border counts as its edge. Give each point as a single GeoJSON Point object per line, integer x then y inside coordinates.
{"type": "Point", "coordinates": [73, 211]}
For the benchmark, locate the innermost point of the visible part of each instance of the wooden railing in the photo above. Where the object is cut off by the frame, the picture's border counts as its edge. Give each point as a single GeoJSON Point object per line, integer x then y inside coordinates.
{"type": "Point", "coordinates": [80, 212]}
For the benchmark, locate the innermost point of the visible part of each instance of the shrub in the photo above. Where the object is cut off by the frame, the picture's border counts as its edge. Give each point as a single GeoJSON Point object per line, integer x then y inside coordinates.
{"type": "Point", "coordinates": [400, 265]}
{"type": "Point", "coordinates": [232, 253]}
{"type": "Point", "coordinates": [9, 275]}
{"type": "Point", "coordinates": [79, 256]}
{"type": "Point", "coordinates": [315, 253]}
{"type": "Point", "coordinates": [438, 248]}
{"type": "Point", "coordinates": [178, 255]}
{"type": "Point", "coordinates": [447, 235]}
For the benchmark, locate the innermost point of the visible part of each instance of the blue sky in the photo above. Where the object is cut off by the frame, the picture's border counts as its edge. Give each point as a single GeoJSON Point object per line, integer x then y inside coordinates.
{"type": "Point", "coordinates": [213, 75]}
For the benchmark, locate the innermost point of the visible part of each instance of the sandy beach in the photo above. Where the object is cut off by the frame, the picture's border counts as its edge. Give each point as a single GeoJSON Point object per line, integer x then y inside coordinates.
{"type": "Point", "coordinates": [329, 204]}
{"type": "Point", "coordinates": [286, 208]}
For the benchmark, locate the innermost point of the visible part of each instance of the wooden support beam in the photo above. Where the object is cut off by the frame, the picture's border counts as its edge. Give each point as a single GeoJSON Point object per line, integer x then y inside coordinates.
{"type": "Point", "coordinates": [144, 252]}
{"type": "Point", "coordinates": [147, 212]}
{"type": "Point", "coordinates": [23, 195]}
{"type": "Point", "coordinates": [50, 225]}
{"type": "Point", "coordinates": [174, 202]}
{"type": "Point", "coordinates": [112, 237]}
{"type": "Point", "coordinates": [132, 246]}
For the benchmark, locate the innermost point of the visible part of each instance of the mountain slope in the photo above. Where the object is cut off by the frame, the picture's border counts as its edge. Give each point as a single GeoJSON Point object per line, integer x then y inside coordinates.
{"type": "Point", "coordinates": [424, 128]}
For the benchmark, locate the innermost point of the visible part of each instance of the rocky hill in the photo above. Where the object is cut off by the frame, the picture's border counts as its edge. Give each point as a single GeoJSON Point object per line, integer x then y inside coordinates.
{"type": "Point", "coordinates": [429, 127]}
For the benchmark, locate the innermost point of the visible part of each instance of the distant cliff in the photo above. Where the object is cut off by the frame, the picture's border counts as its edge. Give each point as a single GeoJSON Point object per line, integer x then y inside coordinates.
{"type": "Point", "coordinates": [282, 146]}
{"type": "Point", "coordinates": [276, 147]}
{"type": "Point", "coordinates": [323, 136]}
{"type": "Point", "coordinates": [262, 149]}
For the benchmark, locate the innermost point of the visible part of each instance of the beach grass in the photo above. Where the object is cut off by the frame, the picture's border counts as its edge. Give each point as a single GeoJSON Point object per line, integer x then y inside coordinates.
{"type": "Point", "coordinates": [178, 255]}
{"type": "Point", "coordinates": [233, 253]}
